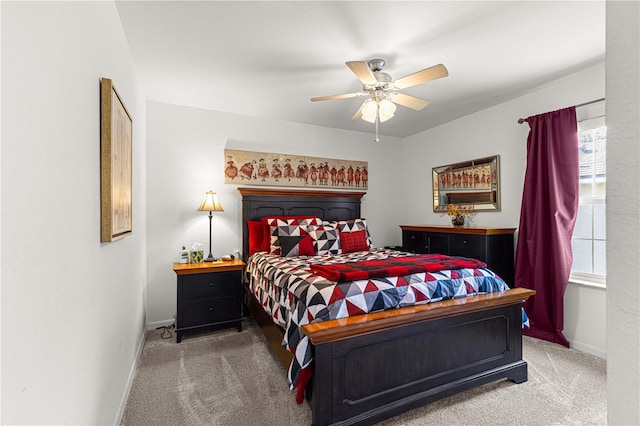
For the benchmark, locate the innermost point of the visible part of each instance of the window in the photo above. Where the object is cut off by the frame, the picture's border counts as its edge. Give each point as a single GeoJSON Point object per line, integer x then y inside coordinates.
{"type": "Point", "coordinates": [590, 233]}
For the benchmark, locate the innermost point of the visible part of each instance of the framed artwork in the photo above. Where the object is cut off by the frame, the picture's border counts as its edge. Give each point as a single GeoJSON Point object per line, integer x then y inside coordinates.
{"type": "Point", "coordinates": [116, 138]}
{"type": "Point", "coordinates": [262, 168]}
{"type": "Point", "coordinates": [471, 184]}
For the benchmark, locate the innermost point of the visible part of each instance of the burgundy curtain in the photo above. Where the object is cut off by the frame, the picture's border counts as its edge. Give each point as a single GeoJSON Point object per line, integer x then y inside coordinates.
{"type": "Point", "coordinates": [547, 219]}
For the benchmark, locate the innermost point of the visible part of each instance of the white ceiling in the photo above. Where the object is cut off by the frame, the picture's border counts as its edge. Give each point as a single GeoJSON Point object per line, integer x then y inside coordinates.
{"type": "Point", "coordinates": [268, 58]}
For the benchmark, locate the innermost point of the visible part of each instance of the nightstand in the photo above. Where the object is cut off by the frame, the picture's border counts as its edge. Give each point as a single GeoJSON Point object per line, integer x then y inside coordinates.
{"type": "Point", "coordinates": [209, 296]}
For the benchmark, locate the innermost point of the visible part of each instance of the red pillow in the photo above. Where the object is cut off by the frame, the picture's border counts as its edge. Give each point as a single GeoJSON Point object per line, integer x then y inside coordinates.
{"type": "Point", "coordinates": [266, 237]}
{"type": "Point", "coordinates": [257, 237]}
{"type": "Point", "coordinates": [354, 241]}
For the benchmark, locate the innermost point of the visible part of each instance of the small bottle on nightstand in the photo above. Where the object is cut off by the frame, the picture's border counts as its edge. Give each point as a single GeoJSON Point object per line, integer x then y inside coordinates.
{"type": "Point", "coordinates": [184, 255]}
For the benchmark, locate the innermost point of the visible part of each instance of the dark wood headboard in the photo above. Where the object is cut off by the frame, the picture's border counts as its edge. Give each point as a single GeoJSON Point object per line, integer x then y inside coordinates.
{"type": "Point", "coordinates": [327, 205]}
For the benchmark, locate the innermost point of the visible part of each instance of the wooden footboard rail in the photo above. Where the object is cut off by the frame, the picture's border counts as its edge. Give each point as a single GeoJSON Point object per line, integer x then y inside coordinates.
{"type": "Point", "coordinates": [375, 366]}
{"type": "Point", "coordinates": [328, 331]}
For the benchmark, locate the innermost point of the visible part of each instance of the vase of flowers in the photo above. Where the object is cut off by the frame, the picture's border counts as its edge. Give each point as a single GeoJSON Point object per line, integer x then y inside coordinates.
{"type": "Point", "coordinates": [458, 214]}
{"type": "Point", "coordinates": [457, 220]}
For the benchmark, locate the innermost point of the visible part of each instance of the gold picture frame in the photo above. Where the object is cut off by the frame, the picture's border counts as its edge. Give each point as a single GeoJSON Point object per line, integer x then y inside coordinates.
{"type": "Point", "coordinates": [116, 139]}
{"type": "Point", "coordinates": [473, 184]}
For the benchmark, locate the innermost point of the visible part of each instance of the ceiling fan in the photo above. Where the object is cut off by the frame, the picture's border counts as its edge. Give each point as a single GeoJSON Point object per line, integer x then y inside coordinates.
{"type": "Point", "coordinates": [382, 90]}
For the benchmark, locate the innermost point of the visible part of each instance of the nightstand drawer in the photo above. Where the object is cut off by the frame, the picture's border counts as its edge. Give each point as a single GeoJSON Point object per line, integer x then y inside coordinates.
{"type": "Point", "coordinates": [210, 310]}
{"type": "Point", "coordinates": [211, 285]}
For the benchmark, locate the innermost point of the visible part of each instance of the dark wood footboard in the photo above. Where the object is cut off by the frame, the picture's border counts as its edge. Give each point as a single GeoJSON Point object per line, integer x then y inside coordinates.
{"type": "Point", "coordinates": [375, 371]}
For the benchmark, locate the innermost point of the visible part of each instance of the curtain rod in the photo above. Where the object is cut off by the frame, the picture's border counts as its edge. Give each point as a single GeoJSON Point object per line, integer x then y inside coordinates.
{"type": "Point", "coordinates": [522, 120]}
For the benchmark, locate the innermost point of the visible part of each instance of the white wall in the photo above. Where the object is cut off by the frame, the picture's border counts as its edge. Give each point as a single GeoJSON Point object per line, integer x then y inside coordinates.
{"type": "Point", "coordinates": [185, 154]}
{"type": "Point", "coordinates": [73, 314]}
{"type": "Point", "coordinates": [585, 318]}
{"type": "Point", "coordinates": [496, 131]}
{"type": "Point", "coordinates": [623, 211]}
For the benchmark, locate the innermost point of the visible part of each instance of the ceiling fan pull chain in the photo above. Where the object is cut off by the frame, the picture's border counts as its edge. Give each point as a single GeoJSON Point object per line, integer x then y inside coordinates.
{"type": "Point", "coordinates": [377, 139]}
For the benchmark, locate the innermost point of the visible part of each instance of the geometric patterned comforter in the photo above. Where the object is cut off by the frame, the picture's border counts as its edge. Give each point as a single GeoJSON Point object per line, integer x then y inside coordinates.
{"type": "Point", "coordinates": [294, 296]}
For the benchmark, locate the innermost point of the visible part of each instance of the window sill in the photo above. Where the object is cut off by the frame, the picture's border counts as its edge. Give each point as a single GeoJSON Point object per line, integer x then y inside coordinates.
{"type": "Point", "coordinates": [587, 283]}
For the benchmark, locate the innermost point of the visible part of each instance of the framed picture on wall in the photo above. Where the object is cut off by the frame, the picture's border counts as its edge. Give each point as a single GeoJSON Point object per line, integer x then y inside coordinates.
{"type": "Point", "coordinates": [473, 184]}
{"type": "Point", "coordinates": [116, 139]}
{"type": "Point", "coordinates": [262, 168]}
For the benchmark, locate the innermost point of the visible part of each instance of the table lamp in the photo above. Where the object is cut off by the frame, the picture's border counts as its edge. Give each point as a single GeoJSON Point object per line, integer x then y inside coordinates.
{"type": "Point", "coordinates": [210, 204]}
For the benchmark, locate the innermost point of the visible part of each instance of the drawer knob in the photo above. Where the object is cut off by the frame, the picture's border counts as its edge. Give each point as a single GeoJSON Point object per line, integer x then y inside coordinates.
{"type": "Point", "coordinates": [211, 284]}
{"type": "Point", "coordinates": [465, 242]}
{"type": "Point", "coordinates": [211, 309]}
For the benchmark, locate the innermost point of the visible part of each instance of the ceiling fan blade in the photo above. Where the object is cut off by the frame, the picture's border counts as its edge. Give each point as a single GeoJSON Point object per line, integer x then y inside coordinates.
{"type": "Point", "coordinates": [363, 72]}
{"type": "Point", "coordinates": [408, 101]}
{"type": "Point", "coordinates": [358, 113]}
{"type": "Point", "coordinates": [334, 97]}
{"type": "Point", "coordinates": [432, 73]}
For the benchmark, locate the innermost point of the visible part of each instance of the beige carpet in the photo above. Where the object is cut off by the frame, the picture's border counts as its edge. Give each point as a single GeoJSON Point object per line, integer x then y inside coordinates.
{"type": "Point", "coordinates": [228, 378]}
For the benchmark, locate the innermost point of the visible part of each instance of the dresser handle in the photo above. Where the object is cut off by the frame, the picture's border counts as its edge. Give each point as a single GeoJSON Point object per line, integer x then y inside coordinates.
{"type": "Point", "coordinates": [465, 242]}
{"type": "Point", "coordinates": [210, 284]}
{"type": "Point", "coordinates": [210, 308]}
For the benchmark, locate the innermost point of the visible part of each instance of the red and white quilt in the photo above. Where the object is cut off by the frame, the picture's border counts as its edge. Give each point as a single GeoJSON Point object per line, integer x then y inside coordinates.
{"type": "Point", "coordinates": [294, 295]}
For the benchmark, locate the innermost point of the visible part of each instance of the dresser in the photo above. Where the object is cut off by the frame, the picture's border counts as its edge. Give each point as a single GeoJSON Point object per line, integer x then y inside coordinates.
{"type": "Point", "coordinates": [209, 295]}
{"type": "Point", "coordinates": [494, 246]}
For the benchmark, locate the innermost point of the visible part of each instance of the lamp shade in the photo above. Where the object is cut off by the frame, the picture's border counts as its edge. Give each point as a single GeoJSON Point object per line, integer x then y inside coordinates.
{"type": "Point", "coordinates": [210, 203]}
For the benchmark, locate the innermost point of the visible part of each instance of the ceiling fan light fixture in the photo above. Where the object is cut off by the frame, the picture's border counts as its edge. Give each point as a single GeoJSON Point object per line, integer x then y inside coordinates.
{"type": "Point", "coordinates": [386, 109]}
{"type": "Point", "coordinates": [370, 110]}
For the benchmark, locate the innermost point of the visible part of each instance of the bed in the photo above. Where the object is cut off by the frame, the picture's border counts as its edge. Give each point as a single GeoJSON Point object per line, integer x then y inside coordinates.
{"type": "Point", "coordinates": [369, 367]}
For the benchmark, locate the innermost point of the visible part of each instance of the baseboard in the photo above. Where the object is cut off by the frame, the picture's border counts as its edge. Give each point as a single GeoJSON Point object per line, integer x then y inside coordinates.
{"type": "Point", "coordinates": [591, 350]}
{"type": "Point", "coordinates": [132, 375]}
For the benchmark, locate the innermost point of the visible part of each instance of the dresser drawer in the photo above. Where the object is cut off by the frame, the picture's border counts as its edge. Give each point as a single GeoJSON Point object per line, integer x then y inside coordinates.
{"type": "Point", "coordinates": [209, 310]}
{"type": "Point", "coordinates": [211, 285]}
{"type": "Point", "coordinates": [468, 245]}
{"type": "Point", "coordinates": [437, 243]}
{"type": "Point", "coordinates": [414, 241]}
